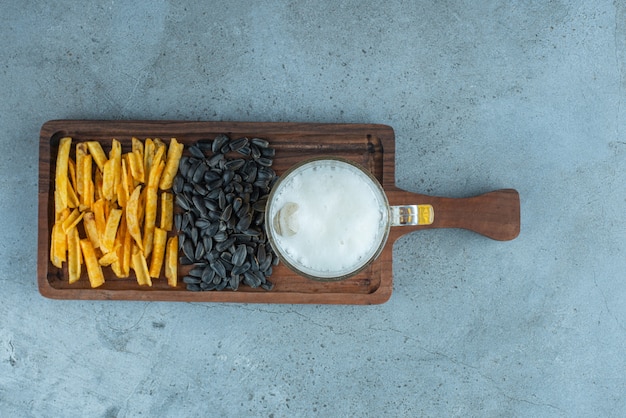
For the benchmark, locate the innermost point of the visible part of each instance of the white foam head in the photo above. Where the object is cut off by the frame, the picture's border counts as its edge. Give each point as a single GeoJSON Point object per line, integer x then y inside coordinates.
{"type": "Point", "coordinates": [327, 218]}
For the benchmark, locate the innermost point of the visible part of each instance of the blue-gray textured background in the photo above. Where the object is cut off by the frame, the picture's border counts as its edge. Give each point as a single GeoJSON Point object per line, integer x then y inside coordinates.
{"type": "Point", "coordinates": [481, 94]}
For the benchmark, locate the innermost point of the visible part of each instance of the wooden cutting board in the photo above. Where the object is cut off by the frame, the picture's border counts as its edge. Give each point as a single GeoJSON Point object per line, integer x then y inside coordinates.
{"type": "Point", "coordinates": [495, 215]}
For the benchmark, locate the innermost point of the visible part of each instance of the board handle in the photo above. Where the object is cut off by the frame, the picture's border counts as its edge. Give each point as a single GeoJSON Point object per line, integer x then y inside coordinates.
{"type": "Point", "coordinates": [495, 214]}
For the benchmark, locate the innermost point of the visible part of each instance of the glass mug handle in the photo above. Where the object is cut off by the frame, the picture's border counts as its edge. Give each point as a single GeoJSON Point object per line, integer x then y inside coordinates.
{"type": "Point", "coordinates": [411, 215]}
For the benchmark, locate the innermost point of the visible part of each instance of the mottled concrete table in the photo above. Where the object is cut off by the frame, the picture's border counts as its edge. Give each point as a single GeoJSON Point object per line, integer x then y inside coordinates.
{"type": "Point", "coordinates": [481, 96]}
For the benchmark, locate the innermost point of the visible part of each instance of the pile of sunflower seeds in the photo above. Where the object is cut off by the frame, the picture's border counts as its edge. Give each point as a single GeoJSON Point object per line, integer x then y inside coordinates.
{"type": "Point", "coordinates": [221, 228]}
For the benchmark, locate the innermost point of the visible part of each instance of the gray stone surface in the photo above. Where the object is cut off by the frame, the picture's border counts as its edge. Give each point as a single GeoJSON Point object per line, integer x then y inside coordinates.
{"type": "Point", "coordinates": [482, 95]}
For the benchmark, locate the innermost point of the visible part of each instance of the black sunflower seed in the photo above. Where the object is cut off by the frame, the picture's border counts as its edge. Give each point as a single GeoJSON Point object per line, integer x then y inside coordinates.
{"type": "Point", "coordinates": [245, 150]}
{"type": "Point", "coordinates": [235, 164]}
{"type": "Point", "coordinates": [191, 280]}
{"type": "Point", "coordinates": [182, 202]}
{"type": "Point", "coordinates": [188, 250]}
{"type": "Point", "coordinates": [241, 269]}
{"type": "Point", "coordinates": [265, 162]}
{"type": "Point", "coordinates": [244, 222]}
{"type": "Point", "coordinates": [208, 274]}
{"type": "Point", "coordinates": [259, 142]}
{"type": "Point", "coordinates": [222, 246]}
{"type": "Point", "coordinates": [219, 141]}
{"type": "Point", "coordinates": [195, 151]}
{"type": "Point", "coordinates": [233, 282]}
{"type": "Point", "coordinates": [268, 152]}
{"type": "Point", "coordinates": [237, 144]}
{"type": "Point", "coordinates": [219, 268]}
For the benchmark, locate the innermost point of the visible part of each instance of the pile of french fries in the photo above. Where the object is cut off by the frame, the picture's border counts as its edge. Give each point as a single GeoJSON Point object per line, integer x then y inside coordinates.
{"type": "Point", "coordinates": [115, 200]}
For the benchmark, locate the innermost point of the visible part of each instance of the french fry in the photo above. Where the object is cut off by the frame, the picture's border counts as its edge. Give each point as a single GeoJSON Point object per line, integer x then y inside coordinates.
{"type": "Point", "coordinates": [107, 241]}
{"type": "Point", "coordinates": [58, 251]}
{"type": "Point", "coordinates": [174, 152]}
{"type": "Point", "coordinates": [149, 221]}
{"type": "Point", "coordinates": [167, 211]}
{"type": "Point", "coordinates": [125, 258]}
{"type": "Point", "coordinates": [61, 179]}
{"type": "Point", "coordinates": [148, 155]}
{"type": "Point", "coordinates": [100, 217]}
{"type": "Point", "coordinates": [118, 265]}
{"type": "Point", "coordinates": [81, 153]}
{"type": "Point", "coordinates": [84, 177]}
{"type": "Point", "coordinates": [108, 178]}
{"type": "Point", "coordinates": [158, 252]}
{"type": "Point", "coordinates": [97, 153]}
{"type": "Point", "coordinates": [71, 165]}
{"type": "Point", "coordinates": [108, 258]}
{"type": "Point", "coordinates": [72, 220]}
{"type": "Point", "coordinates": [135, 160]}
{"type": "Point", "coordinates": [139, 265]}
{"type": "Point", "coordinates": [72, 198]}
{"type": "Point", "coordinates": [116, 156]}
{"type": "Point", "coordinates": [171, 261]}
{"type": "Point", "coordinates": [137, 145]}
{"type": "Point", "coordinates": [97, 185]}
{"type": "Point", "coordinates": [58, 204]}
{"type": "Point", "coordinates": [138, 151]}
{"type": "Point", "coordinates": [74, 255]}
{"type": "Point", "coordinates": [133, 220]}
{"type": "Point", "coordinates": [157, 169]}
{"type": "Point", "coordinates": [89, 222]}
{"type": "Point", "coordinates": [122, 186]}
{"type": "Point", "coordinates": [94, 271]}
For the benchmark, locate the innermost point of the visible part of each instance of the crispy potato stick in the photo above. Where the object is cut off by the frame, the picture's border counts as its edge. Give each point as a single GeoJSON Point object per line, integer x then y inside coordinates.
{"type": "Point", "coordinates": [171, 261]}
{"type": "Point", "coordinates": [158, 252]}
{"type": "Point", "coordinates": [149, 221]}
{"type": "Point", "coordinates": [72, 169]}
{"type": "Point", "coordinates": [74, 255]}
{"type": "Point", "coordinates": [84, 177]}
{"type": "Point", "coordinates": [133, 220]}
{"type": "Point", "coordinates": [138, 263]}
{"type": "Point", "coordinates": [160, 144]}
{"type": "Point", "coordinates": [94, 271]}
{"type": "Point", "coordinates": [117, 265]}
{"type": "Point", "coordinates": [98, 185]}
{"type": "Point", "coordinates": [138, 151]}
{"type": "Point", "coordinates": [58, 204]}
{"type": "Point", "coordinates": [72, 198]}
{"type": "Point", "coordinates": [124, 183]}
{"type": "Point", "coordinates": [174, 152]}
{"type": "Point", "coordinates": [108, 259]}
{"type": "Point", "coordinates": [81, 153]}
{"type": "Point", "coordinates": [100, 216]}
{"type": "Point", "coordinates": [167, 211]}
{"type": "Point", "coordinates": [89, 222]}
{"type": "Point", "coordinates": [107, 241]}
{"type": "Point", "coordinates": [116, 155]}
{"type": "Point", "coordinates": [61, 179]}
{"type": "Point", "coordinates": [127, 251]}
{"type": "Point", "coordinates": [148, 155]}
{"type": "Point", "coordinates": [74, 220]}
{"type": "Point", "coordinates": [135, 160]}
{"type": "Point", "coordinates": [58, 252]}
{"type": "Point", "coordinates": [97, 153]}
{"type": "Point", "coordinates": [108, 180]}
{"type": "Point", "coordinates": [116, 149]}
{"type": "Point", "coordinates": [137, 145]}
{"type": "Point", "coordinates": [157, 169]}
{"type": "Point", "coordinates": [71, 220]}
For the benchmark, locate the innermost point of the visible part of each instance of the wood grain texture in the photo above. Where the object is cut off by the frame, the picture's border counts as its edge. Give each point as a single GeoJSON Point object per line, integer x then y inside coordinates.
{"type": "Point", "coordinates": [495, 214]}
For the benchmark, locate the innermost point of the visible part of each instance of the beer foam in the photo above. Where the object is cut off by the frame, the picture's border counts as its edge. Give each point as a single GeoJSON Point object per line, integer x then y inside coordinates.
{"type": "Point", "coordinates": [334, 218]}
